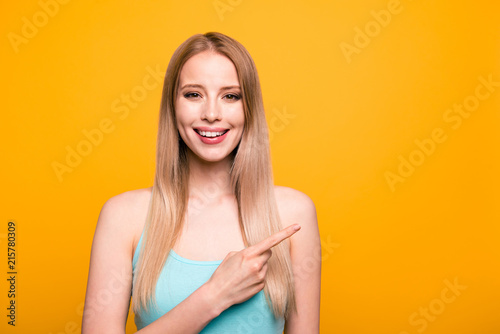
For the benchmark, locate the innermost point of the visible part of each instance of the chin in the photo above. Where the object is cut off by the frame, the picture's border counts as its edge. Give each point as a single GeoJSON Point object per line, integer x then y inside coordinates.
{"type": "Point", "coordinates": [217, 157]}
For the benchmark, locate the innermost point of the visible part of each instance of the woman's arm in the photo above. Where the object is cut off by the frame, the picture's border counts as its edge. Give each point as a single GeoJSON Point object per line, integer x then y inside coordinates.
{"type": "Point", "coordinates": [110, 277]}
{"type": "Point", "coordinates": [305, 251]}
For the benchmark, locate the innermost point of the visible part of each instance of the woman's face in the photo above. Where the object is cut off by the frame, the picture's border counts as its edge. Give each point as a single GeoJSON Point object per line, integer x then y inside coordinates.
{"type": "Point", "coordinates": [208, 106]}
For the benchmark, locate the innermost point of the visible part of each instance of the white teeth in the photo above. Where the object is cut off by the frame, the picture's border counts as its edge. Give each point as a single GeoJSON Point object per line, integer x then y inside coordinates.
{"type": "Point", "coordinates": [211, 134]}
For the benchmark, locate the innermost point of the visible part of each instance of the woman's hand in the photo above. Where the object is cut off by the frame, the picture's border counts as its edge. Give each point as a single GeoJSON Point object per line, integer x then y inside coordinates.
{"type": "Point", "coordinates": [242, 274]}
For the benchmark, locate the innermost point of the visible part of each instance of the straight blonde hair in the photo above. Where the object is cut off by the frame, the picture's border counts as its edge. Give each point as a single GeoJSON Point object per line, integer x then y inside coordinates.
{"type": "Point", "coordinates": [251, 180]}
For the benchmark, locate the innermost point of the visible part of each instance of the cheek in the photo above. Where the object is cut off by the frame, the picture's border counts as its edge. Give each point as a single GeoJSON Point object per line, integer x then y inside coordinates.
{"type": "Point", "coordinates": [238, 116]}
{"type": "Point", "coordinates": [187, 113]}
{"type": "Point", "coordinates": [181, 115]}
{"type": "Point", "coordinates": [242, 117]}
{"type": "Point", "coordinates": [180, 125]}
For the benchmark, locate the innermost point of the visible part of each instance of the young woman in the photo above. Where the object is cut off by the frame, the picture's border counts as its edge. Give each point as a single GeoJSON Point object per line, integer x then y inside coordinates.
{"type": "Point", "coordinates": [213, 246]}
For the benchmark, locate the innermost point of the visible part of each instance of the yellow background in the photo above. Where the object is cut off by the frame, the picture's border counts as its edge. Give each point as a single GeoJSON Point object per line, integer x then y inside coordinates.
{"type": "Point", "coordinates": [388, 252]}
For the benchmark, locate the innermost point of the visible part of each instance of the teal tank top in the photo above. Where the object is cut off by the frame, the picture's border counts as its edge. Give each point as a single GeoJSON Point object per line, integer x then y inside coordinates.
{"type": "Point", "coordinates": [180, 277]}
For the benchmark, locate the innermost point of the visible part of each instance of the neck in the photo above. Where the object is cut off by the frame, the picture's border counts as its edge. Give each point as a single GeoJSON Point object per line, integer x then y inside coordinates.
{"type": "Point", "coordinates": [209, 180]}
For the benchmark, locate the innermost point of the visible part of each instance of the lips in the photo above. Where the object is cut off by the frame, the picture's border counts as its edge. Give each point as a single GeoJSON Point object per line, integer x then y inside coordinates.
{"type": "Point", "coordinates": [211, 135]}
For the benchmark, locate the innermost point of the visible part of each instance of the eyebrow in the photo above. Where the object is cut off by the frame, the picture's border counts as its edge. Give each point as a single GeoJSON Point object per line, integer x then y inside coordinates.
{"type": "Point", "coordinates": [201, 86]}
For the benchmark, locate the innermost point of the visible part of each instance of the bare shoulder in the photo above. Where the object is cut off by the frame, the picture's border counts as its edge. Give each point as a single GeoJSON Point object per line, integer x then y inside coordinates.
{"type": "Point", "coordinates": [126, 213]}
{"type": "Point", "coordinates": [295, 207]}
{"type": "Point", "coordinates": [111, 261]}
{"type": "Point", "coordinates": [129, 204]}
{"type": "Point", "coordinates": [305, 254]}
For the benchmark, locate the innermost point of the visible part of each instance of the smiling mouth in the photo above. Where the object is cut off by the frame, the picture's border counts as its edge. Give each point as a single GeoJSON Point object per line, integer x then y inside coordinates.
{"type": "Point", "coordinates": [211, 134]}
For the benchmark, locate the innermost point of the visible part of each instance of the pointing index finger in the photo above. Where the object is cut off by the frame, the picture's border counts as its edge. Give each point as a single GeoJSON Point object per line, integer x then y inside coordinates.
{"type": "Point", "coordinates": [275, 239]}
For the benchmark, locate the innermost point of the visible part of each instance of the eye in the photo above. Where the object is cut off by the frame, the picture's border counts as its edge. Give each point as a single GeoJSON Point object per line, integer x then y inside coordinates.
{"type": "Point", "coordinates": [232, 97]}
{"type": "Point", "coordinates": [191, 95]}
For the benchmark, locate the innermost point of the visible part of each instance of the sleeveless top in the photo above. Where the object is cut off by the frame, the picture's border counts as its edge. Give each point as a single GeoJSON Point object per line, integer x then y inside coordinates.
{"type": "Point", "coordinates": [180, 277]}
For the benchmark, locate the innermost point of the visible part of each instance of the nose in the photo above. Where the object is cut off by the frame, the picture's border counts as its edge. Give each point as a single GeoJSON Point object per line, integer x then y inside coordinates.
{"type": "Point", "coordinates": [211, 111]}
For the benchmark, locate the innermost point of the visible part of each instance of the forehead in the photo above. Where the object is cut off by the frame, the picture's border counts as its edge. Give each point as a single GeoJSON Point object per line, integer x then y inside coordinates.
{"type": "Point", "coordinates": [209, 69]}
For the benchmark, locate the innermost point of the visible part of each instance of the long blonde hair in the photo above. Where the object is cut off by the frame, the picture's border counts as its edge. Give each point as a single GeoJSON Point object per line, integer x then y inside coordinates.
{"type": "Point", "coordinates": [251, 180]}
